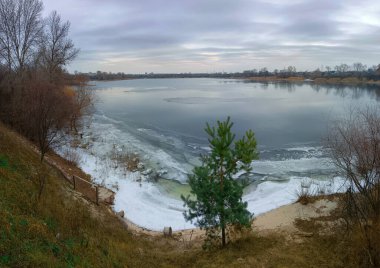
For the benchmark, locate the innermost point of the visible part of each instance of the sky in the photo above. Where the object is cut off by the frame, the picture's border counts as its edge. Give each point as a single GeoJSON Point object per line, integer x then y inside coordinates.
{"type": "Point", "coordinates": [174, 36]}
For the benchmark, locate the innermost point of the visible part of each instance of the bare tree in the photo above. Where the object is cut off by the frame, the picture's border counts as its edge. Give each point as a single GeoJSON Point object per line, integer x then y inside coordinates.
{"type": "Point", "coordinates": [57, 49]}
{"type": "Point", "coordinates": [343, 68]}
{"type": "Point", "coordinates": [46, 105]}
{"type": "Point", "coordinates": [359, 67]}
{"type": "Point", "coordinates": [20, 32]}
{"type": "Point", "coordinates": [355, 148]}
{"type": "Point", "coordinates": [372, 69]}
{"type": "Point", "coordinates": [291, 69]}
{"type": "Point", "coordinates": [82, 101]}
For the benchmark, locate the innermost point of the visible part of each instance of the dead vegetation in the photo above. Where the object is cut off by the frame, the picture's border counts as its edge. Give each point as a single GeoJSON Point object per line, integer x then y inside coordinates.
{"type": "Point", "coordinates": [124, 159]}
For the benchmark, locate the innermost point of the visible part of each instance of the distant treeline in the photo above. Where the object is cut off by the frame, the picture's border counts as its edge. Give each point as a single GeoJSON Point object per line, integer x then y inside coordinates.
{"type": "Point", "coordinates": [357, 70]}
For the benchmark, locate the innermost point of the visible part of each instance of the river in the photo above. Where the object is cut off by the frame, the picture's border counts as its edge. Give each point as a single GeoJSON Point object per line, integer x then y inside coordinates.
{"type": "Point", "coordinates": [162, 121]}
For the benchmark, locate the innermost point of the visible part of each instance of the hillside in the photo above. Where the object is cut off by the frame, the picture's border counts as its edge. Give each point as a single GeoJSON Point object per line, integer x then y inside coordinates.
{"type": "Point", "coordinates": [62, 229]}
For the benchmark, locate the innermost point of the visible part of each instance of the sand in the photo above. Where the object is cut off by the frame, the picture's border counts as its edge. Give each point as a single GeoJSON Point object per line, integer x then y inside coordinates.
{"type": "Point", "coordinates": [279, 219]}
{"type": "Point", "coordinates": [283, 217]}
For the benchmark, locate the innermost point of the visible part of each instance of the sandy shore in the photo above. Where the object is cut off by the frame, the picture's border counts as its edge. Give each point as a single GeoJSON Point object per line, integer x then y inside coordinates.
{"type": "Point", "coordinates": [283, 217]}
{"type": "Point", "coordinates": [279, 219]}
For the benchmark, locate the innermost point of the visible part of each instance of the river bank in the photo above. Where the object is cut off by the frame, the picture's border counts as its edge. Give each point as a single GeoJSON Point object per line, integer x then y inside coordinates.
{"type": "Point", "coordinates": [160, 124]}
{"type": "Point", "coordinates": [338, 81]}
{"type": "Point", "coordinates": [64, 229]}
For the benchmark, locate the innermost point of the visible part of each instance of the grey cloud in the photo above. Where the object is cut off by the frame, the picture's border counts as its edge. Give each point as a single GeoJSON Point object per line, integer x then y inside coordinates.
{"type": "Point", "coordinates": [219, 33]}
{"type": "Point", "coordinates": [311, 30]}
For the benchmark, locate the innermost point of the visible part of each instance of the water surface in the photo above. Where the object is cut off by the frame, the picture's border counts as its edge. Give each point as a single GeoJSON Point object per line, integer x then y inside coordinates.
{"type": "Point", "coordinates": [163, 121]}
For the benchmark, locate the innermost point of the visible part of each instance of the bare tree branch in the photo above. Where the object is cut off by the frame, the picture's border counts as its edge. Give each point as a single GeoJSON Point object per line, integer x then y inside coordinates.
{"type": "Point", "coordinates": [57, 49]}
{"type": "Point", "coordinates": [20, 32]}
{"type": "Point", "coordinates": [355, 149]}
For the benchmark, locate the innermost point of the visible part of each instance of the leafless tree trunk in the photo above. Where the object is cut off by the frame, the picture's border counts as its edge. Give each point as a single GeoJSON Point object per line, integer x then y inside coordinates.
{"type": "Point", "coordinates": [41, 181]}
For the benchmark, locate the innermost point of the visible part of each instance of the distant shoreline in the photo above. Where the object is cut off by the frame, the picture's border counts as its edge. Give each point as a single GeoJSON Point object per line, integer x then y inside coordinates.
{"type": "Point", "coordinates": [348, 81]}
{"type": "Point", "coordinates": [338, 81]}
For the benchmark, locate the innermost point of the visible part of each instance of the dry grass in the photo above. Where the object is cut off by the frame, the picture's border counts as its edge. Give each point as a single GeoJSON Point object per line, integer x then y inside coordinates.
{"type": "Point", "coordinates": [304, 193]}
{"type": "Point", "coordinates": [276, 79]}
{"type": "Point", "coordinates": [57, 230]}
{"type": "Point", "coordinates": [342, 81]}
{"type": "Point", "coordinates": [128, 161]}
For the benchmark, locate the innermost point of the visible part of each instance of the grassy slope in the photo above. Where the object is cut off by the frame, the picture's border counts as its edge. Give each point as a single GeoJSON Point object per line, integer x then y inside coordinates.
{"type": "Point", "coordinates": [58, 230]}
{"type": "Point", "coordinates": [63, 230]}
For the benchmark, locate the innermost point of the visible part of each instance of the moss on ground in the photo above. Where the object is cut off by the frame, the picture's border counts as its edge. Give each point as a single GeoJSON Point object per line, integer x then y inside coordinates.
{"type": "Point", "coordinates": [4, 162]}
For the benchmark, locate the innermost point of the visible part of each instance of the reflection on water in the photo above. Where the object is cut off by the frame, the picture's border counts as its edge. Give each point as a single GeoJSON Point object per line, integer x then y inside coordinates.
{"type": "Point", "coordinates": [281, 114]}
{"type": "Point", "coordinates": [354, 91]}
{"type": "Point", "coordinates": [166, 119]}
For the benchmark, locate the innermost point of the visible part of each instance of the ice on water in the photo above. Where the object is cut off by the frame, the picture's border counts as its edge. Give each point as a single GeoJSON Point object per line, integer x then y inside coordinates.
{"type": "Point", "coordinates": [145, 205]}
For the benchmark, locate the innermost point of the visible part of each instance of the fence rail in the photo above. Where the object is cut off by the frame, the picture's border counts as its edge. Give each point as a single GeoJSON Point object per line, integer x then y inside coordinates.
{"type": "Point", "coordinates": [89, 189]}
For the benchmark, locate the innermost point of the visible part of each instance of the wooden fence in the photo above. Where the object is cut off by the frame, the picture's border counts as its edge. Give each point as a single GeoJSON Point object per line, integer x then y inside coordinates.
{"type": "Point", "coordinates": [89, 189]}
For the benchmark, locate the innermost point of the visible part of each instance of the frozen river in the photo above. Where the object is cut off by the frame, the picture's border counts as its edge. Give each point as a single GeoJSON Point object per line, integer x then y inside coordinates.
{"type": "Point", "coordinates": [163, 120]}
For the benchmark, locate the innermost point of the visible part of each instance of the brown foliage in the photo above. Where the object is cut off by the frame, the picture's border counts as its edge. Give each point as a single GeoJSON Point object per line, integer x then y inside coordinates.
{"type": "Point", "coordinates": [45, 113]}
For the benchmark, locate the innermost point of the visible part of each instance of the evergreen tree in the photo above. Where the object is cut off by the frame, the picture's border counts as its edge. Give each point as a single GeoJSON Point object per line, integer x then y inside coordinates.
{"type": "Point", "coordinates": [217, 197]}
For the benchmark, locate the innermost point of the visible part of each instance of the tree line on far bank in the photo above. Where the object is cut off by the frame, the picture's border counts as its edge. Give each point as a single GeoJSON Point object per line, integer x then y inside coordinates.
{"type": "Point", "coordinates": [34, 97]}
{"type": "Point", "coordinates": [357, 70]}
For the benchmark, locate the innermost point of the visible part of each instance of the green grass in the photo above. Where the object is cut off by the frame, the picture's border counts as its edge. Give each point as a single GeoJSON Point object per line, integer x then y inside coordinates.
{"type": "Point", "coordinates": [4, 162]}
{"type": "Point", "coordinates": [56, 230]}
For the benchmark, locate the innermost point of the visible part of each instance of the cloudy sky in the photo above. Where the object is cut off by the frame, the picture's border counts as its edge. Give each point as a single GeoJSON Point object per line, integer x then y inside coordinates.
{"type": "Point", "coordinates": [137, 36]}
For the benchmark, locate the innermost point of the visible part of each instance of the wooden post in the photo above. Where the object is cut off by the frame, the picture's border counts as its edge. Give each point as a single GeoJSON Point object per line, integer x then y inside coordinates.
{"type": "Point", "coordinates": [97, 195]}
{"type": "Point", "coordinates": [168, 231]}
{"type": "Point", "coordinates": [74, 182]}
